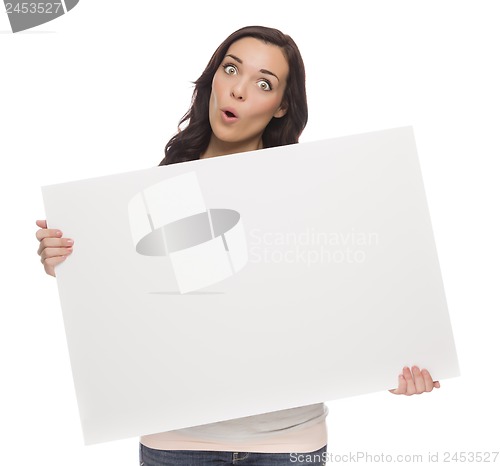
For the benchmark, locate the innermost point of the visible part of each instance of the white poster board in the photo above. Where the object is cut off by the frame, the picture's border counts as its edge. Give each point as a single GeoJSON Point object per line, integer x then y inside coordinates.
{"type": "Point", "coordinates": [249, 283]}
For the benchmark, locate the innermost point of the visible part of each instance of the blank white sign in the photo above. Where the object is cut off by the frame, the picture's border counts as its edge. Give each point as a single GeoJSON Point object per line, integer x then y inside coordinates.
{"type": "Point", "coordinates": [249, 283]}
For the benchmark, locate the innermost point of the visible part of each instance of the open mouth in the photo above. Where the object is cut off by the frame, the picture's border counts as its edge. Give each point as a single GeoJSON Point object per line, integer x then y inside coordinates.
{"type": "Point", "coordinates": [229, 114]}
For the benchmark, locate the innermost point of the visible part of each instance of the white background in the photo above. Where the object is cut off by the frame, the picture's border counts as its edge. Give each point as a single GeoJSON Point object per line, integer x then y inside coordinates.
{"type": "Point", "coordinates": [100, 91]}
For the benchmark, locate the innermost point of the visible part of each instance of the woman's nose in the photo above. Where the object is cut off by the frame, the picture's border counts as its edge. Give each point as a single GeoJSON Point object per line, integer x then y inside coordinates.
{"type": "Point", "coordinates": [238, 91]}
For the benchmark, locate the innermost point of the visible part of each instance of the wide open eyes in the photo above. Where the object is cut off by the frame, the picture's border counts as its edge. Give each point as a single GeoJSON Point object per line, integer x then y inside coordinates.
{"type": "Point", "coordinates": [265, 85]}
{"type": "Point", "coordinates": [232, 70]}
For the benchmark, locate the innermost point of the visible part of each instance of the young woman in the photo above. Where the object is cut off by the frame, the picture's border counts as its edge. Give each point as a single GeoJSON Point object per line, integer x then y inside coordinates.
{"type": "Point", "coordinates": [251, 95]}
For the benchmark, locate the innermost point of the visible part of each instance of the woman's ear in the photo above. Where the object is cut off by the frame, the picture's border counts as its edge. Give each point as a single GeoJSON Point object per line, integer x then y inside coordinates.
{"type": "Point", "coordinates": [281, 112]}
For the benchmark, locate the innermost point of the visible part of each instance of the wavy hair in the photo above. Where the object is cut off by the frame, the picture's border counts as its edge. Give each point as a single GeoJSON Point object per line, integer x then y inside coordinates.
{"type": "Point", "coordinates": [192, 141]}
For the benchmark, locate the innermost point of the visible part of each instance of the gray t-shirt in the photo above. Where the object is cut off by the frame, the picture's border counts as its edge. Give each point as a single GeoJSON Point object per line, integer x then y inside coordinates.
{"type": "Point", "coordinates": [301, 429]}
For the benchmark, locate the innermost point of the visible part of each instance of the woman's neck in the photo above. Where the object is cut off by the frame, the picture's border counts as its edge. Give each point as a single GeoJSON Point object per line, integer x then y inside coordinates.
{"type": "Point", "coordinates": [217, 147]}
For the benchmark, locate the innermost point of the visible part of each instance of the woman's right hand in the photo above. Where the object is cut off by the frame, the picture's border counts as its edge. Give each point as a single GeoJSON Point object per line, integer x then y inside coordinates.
{"type": "Point", "coordinates": [53, 247]}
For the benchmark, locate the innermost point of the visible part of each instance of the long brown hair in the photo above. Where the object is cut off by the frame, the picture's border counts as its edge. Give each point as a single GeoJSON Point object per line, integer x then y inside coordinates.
{"type": "Point", "coordinates": [190, 142]}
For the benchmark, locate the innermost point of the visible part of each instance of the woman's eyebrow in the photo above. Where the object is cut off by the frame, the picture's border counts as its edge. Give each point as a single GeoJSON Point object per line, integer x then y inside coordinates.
{"type": "Point", "coordinates": [234, 57]}
{"type": "Point", "coordinates": [239, 60]}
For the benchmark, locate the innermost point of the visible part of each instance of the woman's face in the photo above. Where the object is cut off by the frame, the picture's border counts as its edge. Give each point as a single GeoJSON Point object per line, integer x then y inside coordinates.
{"type": "Point", "coordinates": [247, 92]}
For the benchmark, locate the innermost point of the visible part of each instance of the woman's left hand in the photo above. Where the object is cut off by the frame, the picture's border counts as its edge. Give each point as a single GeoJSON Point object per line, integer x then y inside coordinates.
{"type": "Point", "coordinates": [419, 381]}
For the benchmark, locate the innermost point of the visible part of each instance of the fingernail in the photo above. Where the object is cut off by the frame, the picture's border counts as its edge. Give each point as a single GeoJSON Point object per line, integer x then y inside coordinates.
{"type": "Point", "coordinates": [69, 241]}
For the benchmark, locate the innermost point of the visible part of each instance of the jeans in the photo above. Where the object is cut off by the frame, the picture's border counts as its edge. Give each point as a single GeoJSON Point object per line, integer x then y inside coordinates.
{"type": "Point", "coordinates": [152, 457]}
